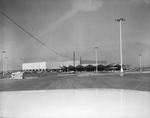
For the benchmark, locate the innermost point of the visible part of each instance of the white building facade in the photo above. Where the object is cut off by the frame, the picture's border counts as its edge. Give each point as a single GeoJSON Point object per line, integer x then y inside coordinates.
{"type": "Point", "coordinates": [34, 66]}
{"type": "Point", "coordinates": [41, 66]}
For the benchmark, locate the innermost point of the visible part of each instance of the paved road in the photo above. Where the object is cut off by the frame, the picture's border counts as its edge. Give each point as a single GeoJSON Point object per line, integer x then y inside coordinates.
{"type": "Point", "coordinates": [132, 81]}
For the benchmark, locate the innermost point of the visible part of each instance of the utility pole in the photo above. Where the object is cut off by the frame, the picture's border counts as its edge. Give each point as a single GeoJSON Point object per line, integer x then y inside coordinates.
{"type": "Point", "coordinates": [96, 58]}
{"type": "Point", "coordinates": [74, 58]}
{"type": "Point", "coordinates": [74, 61]}
{"type": "Point", "coordinates": [140, 62]}
{"type": "Point", "coordinates": [67, 62]}
{"type": "Point", "coordinates": [6, 64]}
{"type": "Point", "coordinates": [3, 52]}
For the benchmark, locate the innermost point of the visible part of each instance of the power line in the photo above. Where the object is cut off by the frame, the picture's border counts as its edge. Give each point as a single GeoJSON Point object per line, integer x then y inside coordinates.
{"type": "Point", "coordinates": [147, 2]}
{"type": "Point", "coordinates": [31, 35]}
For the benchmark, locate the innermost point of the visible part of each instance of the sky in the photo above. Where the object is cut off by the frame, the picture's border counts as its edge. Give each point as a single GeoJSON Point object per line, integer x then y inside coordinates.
{"type": "Point", "coordinates": [74, 25]}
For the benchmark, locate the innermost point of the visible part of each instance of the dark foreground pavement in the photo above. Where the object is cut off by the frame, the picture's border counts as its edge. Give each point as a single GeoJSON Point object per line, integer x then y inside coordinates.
{"type": "Point", "coordinates": [131, 81]}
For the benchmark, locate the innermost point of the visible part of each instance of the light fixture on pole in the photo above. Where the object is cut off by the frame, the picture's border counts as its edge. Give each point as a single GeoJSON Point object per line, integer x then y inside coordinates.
{"type": "Point", "coordinates": [3, 52]}
{"type": "Point", "coordinates": [120, 20]}
{"type": "Point", "coordinates": [140, 62]}
{"type": "Point", "coordinates": [96, 58]}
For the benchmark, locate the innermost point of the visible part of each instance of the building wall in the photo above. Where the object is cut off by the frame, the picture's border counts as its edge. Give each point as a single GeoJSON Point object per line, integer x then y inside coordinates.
{"type": "Point", "coordinates": [34, 66]}
{"type": "Point", "coordinates": [47, 65]}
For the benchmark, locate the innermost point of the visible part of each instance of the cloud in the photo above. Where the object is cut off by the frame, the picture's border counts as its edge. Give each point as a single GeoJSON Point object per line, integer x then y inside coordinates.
{"type": "Point", "coordinates": [78, 5]}
{"type": "Point", "coordinates": [87, 5]}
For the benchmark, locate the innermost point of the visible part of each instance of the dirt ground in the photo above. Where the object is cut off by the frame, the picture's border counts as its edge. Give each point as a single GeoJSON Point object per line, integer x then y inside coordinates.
{"type": "Point", "coordinates": [131, 81]}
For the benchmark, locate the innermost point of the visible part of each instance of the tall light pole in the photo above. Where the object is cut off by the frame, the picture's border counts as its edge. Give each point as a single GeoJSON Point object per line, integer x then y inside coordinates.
{"type": "Point", "coordinates": [3, 52]}
{"type": "Point", "coordinates": [67, 62]}
{"type": "Point", "coordinates": [120, 20]}
{"type": "Point", "coordinates": [6, 64]}
{"type": "Point", "coordinates": [140, 62]}
{"type": "Point", "coordinates": [96, 58]}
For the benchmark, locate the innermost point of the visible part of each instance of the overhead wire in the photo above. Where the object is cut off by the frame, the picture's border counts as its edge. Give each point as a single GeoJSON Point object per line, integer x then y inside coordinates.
{"type": "Point", "coordinates": [32, 35]}
{"type": "Point", "coordinates": [147, 2]}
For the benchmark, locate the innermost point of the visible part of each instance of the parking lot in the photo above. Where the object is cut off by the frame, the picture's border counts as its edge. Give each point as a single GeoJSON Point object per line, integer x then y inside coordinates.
{"type": "Point", "coordinates": [131, 81]}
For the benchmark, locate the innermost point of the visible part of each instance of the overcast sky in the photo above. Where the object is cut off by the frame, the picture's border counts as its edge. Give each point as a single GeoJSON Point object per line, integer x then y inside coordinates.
{"type": "Point", "coordinates": [75, 25]}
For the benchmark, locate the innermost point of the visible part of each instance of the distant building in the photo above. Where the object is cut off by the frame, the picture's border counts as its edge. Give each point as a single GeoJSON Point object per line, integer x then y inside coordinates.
{"type": "Point", "coordinates": [43, 66]}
